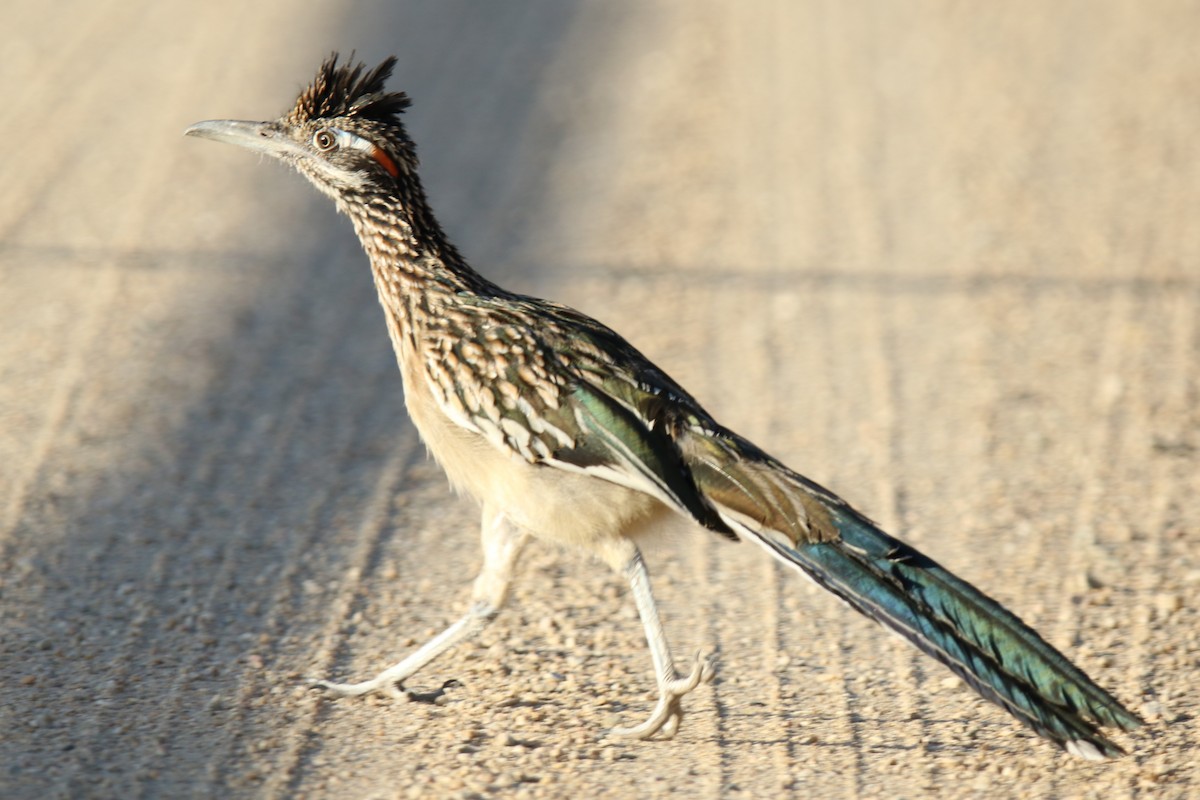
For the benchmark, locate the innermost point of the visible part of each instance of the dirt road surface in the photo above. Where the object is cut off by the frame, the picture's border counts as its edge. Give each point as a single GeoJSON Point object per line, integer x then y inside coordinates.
{"type": "Point", "coordinates": [942, 257]}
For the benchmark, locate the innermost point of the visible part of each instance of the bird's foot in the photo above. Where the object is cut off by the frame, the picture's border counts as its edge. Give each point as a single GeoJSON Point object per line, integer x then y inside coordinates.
{"type": "Point", "coordinates": [382, 683]}
{"type": "Point", "coordinates": [669, 712]}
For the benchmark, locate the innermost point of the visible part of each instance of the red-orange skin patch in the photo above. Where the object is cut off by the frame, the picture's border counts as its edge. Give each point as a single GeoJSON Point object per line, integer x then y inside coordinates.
{"type": "Point", "coordinates": [385, 161]}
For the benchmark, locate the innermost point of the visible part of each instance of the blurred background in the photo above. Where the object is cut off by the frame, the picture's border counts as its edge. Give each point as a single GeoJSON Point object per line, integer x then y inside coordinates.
{"type": "Point", "coordinates": [942, 257]}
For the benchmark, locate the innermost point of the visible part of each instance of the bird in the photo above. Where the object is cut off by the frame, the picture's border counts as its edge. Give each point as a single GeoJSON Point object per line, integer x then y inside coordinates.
{"type": "Point", "coordinates": [563, 432]}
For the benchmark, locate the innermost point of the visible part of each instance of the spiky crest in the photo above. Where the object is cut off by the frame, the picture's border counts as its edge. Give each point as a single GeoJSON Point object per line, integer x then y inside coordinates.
{"type": "Point", "coordinates": [350, 90]}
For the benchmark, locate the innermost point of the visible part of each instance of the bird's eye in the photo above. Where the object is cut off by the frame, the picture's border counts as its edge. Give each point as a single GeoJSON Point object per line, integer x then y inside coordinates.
{"type": "Point", "coordinates": [324, 140]}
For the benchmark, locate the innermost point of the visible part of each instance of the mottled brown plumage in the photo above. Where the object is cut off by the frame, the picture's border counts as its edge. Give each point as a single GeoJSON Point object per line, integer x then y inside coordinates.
{"type": "Point", "coordinates": [564, 431]}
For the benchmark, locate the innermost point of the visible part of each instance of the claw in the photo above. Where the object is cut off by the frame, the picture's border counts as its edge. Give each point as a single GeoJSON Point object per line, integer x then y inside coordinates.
{"type": "Point", "coordinates": [668, 713]}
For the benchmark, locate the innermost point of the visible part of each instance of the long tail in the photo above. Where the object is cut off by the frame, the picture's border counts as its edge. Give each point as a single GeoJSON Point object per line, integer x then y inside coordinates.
{"type": "Point", "coordinates": [997, 654]}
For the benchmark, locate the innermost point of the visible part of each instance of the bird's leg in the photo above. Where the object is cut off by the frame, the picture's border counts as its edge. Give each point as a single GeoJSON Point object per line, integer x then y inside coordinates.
{"type": "Point", "coordinates": [668, 712]}
{"type": "Point", "coordinates": [502, 543]}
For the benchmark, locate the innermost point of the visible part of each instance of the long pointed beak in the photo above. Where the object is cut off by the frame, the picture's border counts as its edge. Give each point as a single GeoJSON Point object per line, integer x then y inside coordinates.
{"type": "Point", "coordinates": [261, 137]}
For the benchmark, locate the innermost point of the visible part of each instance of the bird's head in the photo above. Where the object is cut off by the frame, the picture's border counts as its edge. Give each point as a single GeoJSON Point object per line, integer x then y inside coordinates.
{"type": "Point", "coordinates": [344, 133]}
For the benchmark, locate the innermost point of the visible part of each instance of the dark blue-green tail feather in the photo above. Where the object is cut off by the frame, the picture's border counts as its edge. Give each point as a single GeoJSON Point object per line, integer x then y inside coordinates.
{"type": "Point", "coordinates": [986, 645]}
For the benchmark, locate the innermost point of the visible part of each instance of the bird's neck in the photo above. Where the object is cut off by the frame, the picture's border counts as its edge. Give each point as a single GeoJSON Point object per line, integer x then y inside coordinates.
{"type": "Point", "coordinates": [407, 247]}
{"type": "Point", "coordinates": [417, 271]}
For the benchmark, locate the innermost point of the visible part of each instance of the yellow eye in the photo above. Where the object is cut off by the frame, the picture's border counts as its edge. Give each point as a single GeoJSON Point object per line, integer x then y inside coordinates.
{"type": "Point", "coordinates": [324, 140]}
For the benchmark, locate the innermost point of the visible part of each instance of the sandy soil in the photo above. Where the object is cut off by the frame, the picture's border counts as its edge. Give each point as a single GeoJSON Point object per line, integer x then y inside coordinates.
{"type": "Point", "coordinates": [942, 257]}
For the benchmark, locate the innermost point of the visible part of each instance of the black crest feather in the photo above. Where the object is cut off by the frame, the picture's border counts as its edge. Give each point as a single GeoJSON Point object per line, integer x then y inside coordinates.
{"type": "Point", "coordinates": [350, 90]}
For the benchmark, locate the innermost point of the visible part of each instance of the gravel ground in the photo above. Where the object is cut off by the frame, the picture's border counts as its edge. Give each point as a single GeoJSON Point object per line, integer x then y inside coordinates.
{"type": "Point", "coordinates": [942, 257]}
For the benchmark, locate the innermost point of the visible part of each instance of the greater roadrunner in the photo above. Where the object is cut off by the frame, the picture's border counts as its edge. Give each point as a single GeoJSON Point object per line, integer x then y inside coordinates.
{"type": "Point", "coordinates": [563, 431]}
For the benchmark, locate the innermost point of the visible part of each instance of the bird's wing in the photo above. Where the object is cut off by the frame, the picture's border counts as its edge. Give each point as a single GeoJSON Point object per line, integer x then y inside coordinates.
{"type": "Point", "coordinates": [569, 394]}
